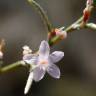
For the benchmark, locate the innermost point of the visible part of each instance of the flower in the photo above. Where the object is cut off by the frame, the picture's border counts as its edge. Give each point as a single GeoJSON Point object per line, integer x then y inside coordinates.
{"type": "Point", "coordinates": [43, 62]}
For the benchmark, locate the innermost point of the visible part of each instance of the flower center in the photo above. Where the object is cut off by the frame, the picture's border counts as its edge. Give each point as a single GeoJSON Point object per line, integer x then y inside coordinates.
{"type": "Point", "coordinates": [44, 62]}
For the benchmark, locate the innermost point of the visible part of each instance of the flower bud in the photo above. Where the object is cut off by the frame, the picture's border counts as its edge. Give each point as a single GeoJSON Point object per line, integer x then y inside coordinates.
{"type": "Point", "coordinates": [62, 34]}
{"type": "Point", "coordinates": [89, 2]}
{"type": "Point", "coordinates": [86, 14]}
{"type": "Point", "coordinates": [26, 50]}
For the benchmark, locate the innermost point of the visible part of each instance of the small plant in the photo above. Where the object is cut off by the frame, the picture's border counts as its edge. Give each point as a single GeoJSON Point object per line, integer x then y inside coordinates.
{"type": "Point", "coordinates": [42, 61]}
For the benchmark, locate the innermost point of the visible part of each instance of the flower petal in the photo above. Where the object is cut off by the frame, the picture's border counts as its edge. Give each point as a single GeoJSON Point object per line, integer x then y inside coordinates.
{"type": "Point", "coordinates": [44, 49]}
{"type": "Point", "coordinates": [29, 83]}
{"type": "Point", "coordinates": [54, 71]}
{"type": "Point", "coordinates": [56, 56]}
{"type": "Point", "coordinates": [30, 58]}
{"type": "Point", "coordinates": [38, 74]}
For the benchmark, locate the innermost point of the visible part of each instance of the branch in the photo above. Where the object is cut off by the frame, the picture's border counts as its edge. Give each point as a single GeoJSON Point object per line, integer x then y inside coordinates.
{"type": "Point", "coordinates": [50, 28]}
{"type": "Point", "coordinates": [11, 66]}
{"type": "Point", "coordinates": [68, 29]}
{"type": "Point", "coordinates": [91, 26]}
{"type": "Point", "coordinates": [42, 13]}
{"type": "Point", "coordinates": [80, 23]}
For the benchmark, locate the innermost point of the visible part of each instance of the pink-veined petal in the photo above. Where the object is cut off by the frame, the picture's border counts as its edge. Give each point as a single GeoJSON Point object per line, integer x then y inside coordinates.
{"type": "Point", "coordinates": [54, 71]}
{"type": "Point", "coordinates": [38, 74]}
{"type": "Point", "coordinates": [44, 49]}
{"type": "Point", "coordinates": [56, 56]}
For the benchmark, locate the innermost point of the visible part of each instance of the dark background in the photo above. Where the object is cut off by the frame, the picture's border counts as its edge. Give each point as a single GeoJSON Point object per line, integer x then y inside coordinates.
{"type": "Point", "coordinates": [21, 25]}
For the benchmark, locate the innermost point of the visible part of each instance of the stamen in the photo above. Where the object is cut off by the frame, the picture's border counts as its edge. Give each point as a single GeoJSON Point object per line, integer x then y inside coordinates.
{"type": "Point", "coordinates": [44, 62]}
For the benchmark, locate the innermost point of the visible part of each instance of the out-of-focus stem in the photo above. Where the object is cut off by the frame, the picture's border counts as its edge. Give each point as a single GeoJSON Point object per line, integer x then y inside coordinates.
{"type": "Point", "coordinates": [42, 13]}
{"type": "Point", "coordinates": [11, 66]}
{"type": "Point", "coordinates": [71, 28]}
{"type": "Point", "coordinates": [68, 29]}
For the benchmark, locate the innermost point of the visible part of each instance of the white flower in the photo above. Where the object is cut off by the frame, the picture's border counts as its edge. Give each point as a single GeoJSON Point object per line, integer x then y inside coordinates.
{"type": "Point", "coordinates": [43, 62]}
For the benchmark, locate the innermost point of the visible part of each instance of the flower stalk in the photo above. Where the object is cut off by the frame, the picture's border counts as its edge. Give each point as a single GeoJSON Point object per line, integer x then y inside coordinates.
{"type": "Point", "coordinates": [41, 11]}
{"type": "Point", "coordinates": [11, 66]}
{"type": "Point", "coordinates": [68, 29]}
{"type": "Point", "coordinates": [80, 23]}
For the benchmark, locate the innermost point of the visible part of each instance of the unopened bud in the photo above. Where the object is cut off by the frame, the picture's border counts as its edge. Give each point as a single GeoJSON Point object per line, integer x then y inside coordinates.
{"type": "Point", "coordinates": [86, 14]}
{"type": "Point", "coordinates": [26, 50]}
{"type": "Point", "coordinates": [58, 32]}
{"type": "Point", "coordinates": [89, 2]}
{"type": "Point", "coordinates": [62, 34]}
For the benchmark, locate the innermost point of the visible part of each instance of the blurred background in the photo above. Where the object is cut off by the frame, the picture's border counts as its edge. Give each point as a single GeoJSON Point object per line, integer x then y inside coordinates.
{"type": "Point", "coordinates": [21, 25]}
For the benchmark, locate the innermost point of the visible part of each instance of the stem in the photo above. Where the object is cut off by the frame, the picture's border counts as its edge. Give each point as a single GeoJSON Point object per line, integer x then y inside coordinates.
{"type": "Point", "coordinates": [42, 13]}
{"type": "Point", "coordinates": [49, 26]}
{"type": "Point", "coordinates": [68, 29]}
{"type": "Point", "coordinates": [11, 66]}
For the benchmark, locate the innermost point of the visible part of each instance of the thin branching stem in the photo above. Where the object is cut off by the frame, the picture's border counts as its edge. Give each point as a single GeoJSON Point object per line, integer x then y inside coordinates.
{"type": "Point", "coordinates": [50, 28]}
{"type": "Point", "coordinates": [68, 29]}
{"type": "Point", "coordinates": [11, 66]}
{"type": "Point", "coordinates": [43, 14]}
